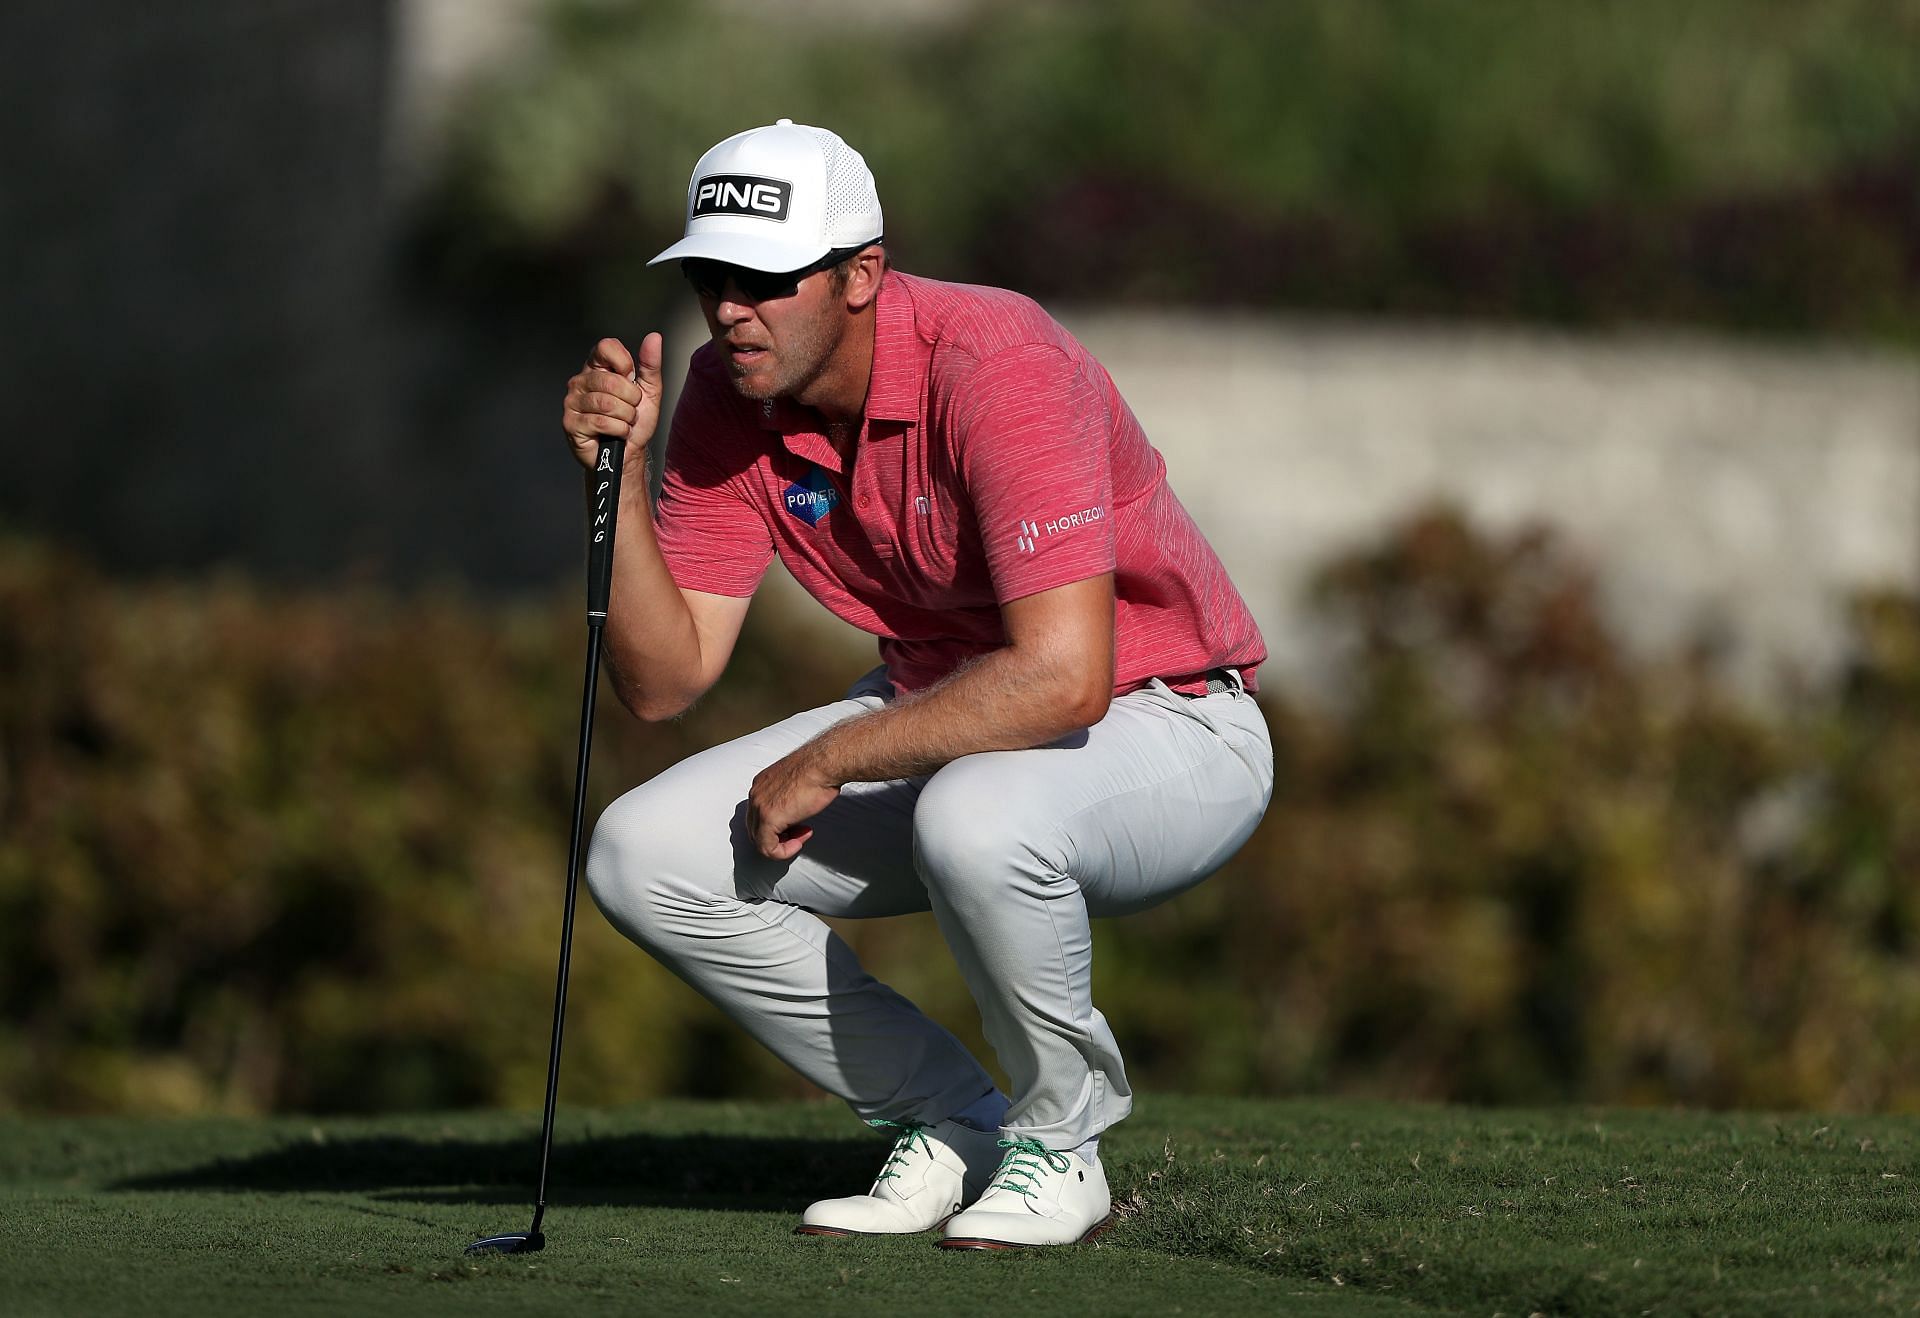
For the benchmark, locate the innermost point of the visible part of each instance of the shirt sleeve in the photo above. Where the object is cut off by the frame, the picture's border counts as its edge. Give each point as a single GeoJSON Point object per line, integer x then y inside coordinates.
{"type": "Point", "coordinates": [1032, 443]}
{"type": "Point", "coordinates": [713, 536]}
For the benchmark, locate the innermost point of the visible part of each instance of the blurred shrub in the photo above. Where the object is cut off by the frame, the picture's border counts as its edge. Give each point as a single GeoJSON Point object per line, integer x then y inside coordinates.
{"type": "Point", "coordinates": [1728, 161]}
{"type": "Point", "coordinates": [1519, 865]}
{"type": "Point", "coordinates": [307, 851]}
{"type": "Point", "coordinates": [267, 851]}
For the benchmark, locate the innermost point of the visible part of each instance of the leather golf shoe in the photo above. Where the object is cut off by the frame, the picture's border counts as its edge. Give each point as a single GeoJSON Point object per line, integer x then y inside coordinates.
{"type": "Point", "coordinates": [1039, 1196]}
{"type": "Point", "coordinates": [931, 1172]}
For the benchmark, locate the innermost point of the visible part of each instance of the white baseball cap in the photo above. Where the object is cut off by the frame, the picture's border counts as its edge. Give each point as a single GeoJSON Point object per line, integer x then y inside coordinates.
{"type": "Point", "coordinates": [778, 198]}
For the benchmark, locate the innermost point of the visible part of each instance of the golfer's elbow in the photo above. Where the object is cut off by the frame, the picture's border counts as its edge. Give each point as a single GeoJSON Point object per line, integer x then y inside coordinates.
{"type": "Point", "coordinates": [654, 710]}
{"type": "Point", "coordinates": [654, 700]}
{"type": "Point", "coordinates": [1078, 687]}
{"type": "Point", "coordinates": [1091, 705]}
{"type": "Point", "coordinates": [659, 704]}
{"type": "Point", "coordinates": [1082, 694]}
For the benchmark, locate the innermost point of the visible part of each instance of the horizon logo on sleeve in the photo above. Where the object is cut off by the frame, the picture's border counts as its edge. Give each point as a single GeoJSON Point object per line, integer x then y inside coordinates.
{"type": "Point", "coordinates": [1027, 534]}
{"type": "Point", "coordinates": [812, 499]}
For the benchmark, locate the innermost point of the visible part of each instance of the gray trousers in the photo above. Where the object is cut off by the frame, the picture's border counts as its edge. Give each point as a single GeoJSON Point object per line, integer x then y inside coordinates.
{"type": "Point", "coordinates": [1013, 851]}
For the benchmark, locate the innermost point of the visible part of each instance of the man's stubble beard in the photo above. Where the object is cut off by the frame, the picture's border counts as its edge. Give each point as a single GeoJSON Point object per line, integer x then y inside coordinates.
{"type": "Point", "coordinates": [800, 361]}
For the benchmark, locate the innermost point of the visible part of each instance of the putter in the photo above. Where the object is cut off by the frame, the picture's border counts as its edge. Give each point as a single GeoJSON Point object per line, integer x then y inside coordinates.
{"type": "Point", "coordinates": [606, 505]}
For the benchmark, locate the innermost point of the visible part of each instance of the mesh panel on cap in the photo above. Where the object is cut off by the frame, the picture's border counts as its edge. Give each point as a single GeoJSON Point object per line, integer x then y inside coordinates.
{"type": "Point", "coordinates": [849, 192]}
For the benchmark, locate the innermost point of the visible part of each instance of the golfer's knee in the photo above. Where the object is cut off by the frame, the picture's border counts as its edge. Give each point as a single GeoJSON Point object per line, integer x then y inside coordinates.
{"type": "Point", "coordinates": [971, 843]}
{"type": "Point", "coordinates": [616, 873]}
{"type": "Point", "coordinates": [640, 864]}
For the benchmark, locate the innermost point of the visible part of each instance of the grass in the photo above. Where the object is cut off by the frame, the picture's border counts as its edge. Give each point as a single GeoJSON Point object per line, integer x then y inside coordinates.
{"type": "Point", "coordinates": [1227, 1207]}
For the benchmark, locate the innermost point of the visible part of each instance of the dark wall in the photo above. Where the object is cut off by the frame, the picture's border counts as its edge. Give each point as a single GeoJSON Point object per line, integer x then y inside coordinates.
{"type": "Point", "coordinates": [214, 350]}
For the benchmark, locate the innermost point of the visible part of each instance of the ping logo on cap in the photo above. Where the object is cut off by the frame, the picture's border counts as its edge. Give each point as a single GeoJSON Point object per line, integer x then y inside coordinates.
{"type": "Point", "coordinates": [742, 194]}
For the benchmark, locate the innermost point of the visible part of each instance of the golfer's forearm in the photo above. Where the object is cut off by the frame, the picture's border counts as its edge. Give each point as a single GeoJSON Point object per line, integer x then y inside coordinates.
{"type": "Point", "coordinates": [1006, 700]}
{"type": "Point", "coordinates": [651, 647]}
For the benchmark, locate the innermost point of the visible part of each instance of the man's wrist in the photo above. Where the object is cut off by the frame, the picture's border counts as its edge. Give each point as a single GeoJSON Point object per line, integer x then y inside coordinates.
{"type": "Point", "coordinates": [637, 478]}
{"type": "Point", "coordinates": [819, 761]}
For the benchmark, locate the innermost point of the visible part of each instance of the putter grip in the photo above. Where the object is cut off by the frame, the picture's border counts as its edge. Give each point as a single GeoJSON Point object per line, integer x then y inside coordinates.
{"type": "Point", "coordinates": [605, 512]}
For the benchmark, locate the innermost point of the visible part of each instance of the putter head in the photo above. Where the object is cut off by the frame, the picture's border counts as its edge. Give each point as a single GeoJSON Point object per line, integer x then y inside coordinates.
{"type": "Point", "coordinates": [518, 1243]}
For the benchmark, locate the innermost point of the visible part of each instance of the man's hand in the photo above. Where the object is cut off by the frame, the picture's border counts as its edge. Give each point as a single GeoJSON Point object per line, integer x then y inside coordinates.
{"type": "Point", "coordinates": [1054, 675]}
{"type": "Point", "coordinates": [784, 794]}
{"type": "Point", "coordinates": [617, 395]}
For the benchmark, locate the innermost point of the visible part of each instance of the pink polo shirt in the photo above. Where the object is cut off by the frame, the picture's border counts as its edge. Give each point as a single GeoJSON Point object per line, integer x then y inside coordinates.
{"type": "Point", "coordinates": [997, 460]}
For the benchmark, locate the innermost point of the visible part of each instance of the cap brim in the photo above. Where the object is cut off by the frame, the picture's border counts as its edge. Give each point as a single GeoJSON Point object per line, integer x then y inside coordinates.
{"type": "Point", "coordinates": [753, 251]}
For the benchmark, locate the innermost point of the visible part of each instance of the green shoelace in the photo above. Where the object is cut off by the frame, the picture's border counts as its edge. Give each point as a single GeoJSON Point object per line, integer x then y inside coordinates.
{"type": "Point", "coordinates": [910, 1131]}
{"type": "Point", "coordinates": [1020, 1170]}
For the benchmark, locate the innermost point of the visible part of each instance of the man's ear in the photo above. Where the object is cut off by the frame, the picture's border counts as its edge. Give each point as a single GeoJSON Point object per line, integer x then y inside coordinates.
{"type": "Point", "coordinates": [864, 270]}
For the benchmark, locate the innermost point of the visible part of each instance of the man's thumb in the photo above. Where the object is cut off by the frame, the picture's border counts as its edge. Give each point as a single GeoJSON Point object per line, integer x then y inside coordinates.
{"type": "Point", "coordinates": [650, 349]}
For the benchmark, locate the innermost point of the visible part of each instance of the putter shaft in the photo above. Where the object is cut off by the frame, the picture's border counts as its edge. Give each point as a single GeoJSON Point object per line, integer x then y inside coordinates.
{"type": "Point", "coordinates": [605, 504]}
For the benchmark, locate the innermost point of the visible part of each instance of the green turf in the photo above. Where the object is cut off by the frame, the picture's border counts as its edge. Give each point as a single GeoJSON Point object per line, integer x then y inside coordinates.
{"type": "Point", "coordinates": [1228, 1207]}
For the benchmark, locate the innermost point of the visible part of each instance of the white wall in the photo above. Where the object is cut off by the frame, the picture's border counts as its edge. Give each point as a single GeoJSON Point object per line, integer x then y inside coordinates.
{"type": "Point", "coordinates": [1741, 488]}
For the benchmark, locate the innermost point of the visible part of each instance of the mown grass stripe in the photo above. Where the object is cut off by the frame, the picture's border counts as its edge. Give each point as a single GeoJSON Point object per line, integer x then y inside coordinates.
{"type": "Point", "coordinates": [1227, 1206]}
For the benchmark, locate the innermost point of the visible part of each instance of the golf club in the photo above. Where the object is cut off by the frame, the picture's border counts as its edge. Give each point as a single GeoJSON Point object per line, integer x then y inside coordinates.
{"type": "Point", "coordinates": [606, 505]}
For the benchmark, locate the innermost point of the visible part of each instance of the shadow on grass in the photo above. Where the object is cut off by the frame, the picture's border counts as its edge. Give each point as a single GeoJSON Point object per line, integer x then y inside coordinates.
{"type": "Point", "coordinates": [671, 1171]}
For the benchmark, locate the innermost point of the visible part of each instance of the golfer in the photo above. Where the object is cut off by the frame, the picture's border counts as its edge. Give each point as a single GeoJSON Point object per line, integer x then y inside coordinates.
{"type": "Point", "coordinates": [1060, 726]}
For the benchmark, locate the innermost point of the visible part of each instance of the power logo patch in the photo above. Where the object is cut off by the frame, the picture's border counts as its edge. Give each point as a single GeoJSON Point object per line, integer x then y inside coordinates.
{"type": "Point", "coordinates": [742, 194]}
{"type": "Point", "coordinates": [812, 499]}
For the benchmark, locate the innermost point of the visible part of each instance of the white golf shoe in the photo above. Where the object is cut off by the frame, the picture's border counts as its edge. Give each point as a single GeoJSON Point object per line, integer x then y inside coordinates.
{"type": "Point", "coordinates": [931, 1172]}
{"type": "Point", "coordinates": [1039, 1196]}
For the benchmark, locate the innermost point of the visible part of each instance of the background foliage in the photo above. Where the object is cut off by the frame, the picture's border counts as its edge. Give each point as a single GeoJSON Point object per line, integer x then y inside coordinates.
{"type": "Point", "coordinates": [1727, 162]}
{"type": "Point", "coordinates": [261, 851]}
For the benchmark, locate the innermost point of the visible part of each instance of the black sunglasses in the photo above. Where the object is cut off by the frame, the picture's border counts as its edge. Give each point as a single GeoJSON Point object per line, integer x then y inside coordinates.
{"type": "Point", "coordinates": [709, 278]}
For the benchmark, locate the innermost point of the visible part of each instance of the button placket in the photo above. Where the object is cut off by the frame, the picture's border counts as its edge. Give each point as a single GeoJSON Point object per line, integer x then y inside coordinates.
{"type": "Point", "coordinates": [869, 507]}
